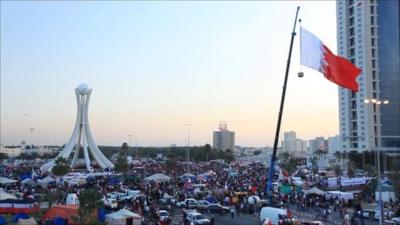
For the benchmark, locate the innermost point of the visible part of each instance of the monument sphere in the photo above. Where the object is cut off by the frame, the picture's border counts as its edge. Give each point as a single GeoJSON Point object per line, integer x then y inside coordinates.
{"type": "Point", "coordinates": [83, 89]}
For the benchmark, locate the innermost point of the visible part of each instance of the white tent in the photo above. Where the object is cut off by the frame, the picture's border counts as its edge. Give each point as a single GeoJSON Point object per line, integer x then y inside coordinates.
{"type": "Point", "coordinates": [122, 216]}
{"type": "Point", "coordinates": [28, 181]}
{"type": "Point", "coordinates": [158, 177]}
{"type": "Point", "coordinates": [45, 181]}
{"type": "Point", "coordinates": [314, 190]}
{"type": "Point", "coordinates": [5, 195]}
{"type": "Point", "coordinates": [5, 180]}
{"type": "Point", "coordinates": [30, 221]}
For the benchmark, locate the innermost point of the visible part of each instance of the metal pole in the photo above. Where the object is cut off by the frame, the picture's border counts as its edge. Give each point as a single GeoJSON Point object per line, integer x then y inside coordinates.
{"type": "Point", "coordinates": [278, 127]}
{"type": "Point", "coordinates": [379, 165]}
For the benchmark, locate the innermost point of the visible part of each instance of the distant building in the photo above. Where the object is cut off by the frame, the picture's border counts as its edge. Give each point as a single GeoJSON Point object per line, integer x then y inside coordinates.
{"type": "Point", "coordinates": [334, 144]}
{"type": "Point", "coordinates": [10, 151]}
{"type": "Point", "coordinates": [319, 143]}
{"type": "Point", "coordinates": [294, 145]}
{"type": "Point", "coordinates": [224, 139]}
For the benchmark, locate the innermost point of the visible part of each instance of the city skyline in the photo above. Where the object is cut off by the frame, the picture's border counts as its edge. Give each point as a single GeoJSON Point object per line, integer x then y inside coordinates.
{"type": "Point", "coordinates": [156, 66]}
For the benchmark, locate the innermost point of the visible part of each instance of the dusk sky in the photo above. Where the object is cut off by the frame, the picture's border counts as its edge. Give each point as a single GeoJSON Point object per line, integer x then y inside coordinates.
{"type": "Point", "coordinates": [155, 66]}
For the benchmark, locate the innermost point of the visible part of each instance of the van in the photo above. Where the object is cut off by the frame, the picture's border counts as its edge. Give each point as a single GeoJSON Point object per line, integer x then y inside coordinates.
{"type": "Point", "coordinates": [274, 214]}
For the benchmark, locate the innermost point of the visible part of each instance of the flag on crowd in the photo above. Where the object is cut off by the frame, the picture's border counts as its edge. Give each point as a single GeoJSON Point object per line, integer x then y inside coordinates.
{"type": "Point", "coordinates": [316, 55]}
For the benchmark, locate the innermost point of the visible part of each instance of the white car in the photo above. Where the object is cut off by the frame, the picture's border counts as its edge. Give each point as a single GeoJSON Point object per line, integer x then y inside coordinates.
{"type": "Point", "coordinates": [197, 218]}
{"type": "Point", "coordinates": [190, 202]}
{"type": "Point", "coordinates": [163, 215]}
{"type": "Point", "coordinates": [110, 202]}
{"type": "Point", "coordinates": [396, 220]}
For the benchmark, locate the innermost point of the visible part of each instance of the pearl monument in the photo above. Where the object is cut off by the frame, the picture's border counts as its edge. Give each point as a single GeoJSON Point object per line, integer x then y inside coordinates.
{"type": "Point", "coordinates": [81, 137]}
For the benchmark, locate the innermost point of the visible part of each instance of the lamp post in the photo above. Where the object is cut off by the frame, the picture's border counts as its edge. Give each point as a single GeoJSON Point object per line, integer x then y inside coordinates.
{"type": "Point", "coordinates": [376, 103]}
{"type": "Point", "coordinates": [188, 145]}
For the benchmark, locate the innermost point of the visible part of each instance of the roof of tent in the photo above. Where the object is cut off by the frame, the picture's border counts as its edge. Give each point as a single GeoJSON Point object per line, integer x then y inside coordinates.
{"type": "Point", "coordinates": [5, 180]}
{"type": "Point", "coordinates": [30, 221]}
{"type": "Point", "coordinates": [158, 177]}
{"type": "Point", "coordinates": [47, 179]}
{"type": "Point", "coordinates": [28, 181]}
{"type": "Point", "coordinates": [122, 213]}
{"type": "Point", "coordinates": [63, 211]}
{"type": "Point", "coordinates": [314, 190]}
{"type": "Point", "coordinates": [4, 195]}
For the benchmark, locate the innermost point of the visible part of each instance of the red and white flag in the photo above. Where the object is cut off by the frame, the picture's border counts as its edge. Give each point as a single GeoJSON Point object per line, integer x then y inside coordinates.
{"type": "Point", "coordinates": [315, 54]}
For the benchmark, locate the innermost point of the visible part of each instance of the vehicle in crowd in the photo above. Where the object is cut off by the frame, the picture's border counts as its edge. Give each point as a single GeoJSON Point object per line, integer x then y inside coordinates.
{"type": "Point", "coordinates": [167, 199]}
{"type": "Point", "coordinates": [110, 203]}
{"type": "Point", "coordinates": [274, 214]}
{"type": "Point", "coordinates": [163, 215]}
{"type": "Point", "coordinates": [386, 214]}
{"type": "Point", "coordinates": [216, 208]}
{"type": "Point", "coordinates": [396, 220]}
{"type": "Point", "coordinates": [366, 213]}
{"type": "Point", "coordinates": [202, 204]}
{"type": "Point", "coordinates": [188, 203]}
{"type": "Point", "coordinates": [197, 218]}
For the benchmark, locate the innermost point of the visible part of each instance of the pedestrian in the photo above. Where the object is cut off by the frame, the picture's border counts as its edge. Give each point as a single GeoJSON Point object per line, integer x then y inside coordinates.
{"type": "Point", "coordinates": [232, 212]}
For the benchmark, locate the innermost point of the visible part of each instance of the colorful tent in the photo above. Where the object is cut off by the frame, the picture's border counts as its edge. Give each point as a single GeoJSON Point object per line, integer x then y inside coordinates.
{"type": "Point", "coordinates": [20, 216]}
{"type": "Point", "coordinates": [69, 212]}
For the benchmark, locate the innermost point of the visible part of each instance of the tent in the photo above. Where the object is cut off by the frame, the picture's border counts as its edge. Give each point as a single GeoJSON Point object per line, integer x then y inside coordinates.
{"type": "Point", "coordinates": [5, 180]}
{"type": "Point", "coordinates": [29, 221]}
{"type": "Point", "coordinates": [314, 190]}
{"type": "Point", "coordinates": [4, 195]}
{"type": "Point", "coordinates": [158, 177]}
{"type": "Point", "coordinates": [2, 220]}
{"type": "Point", "coordinates": [20, 216]}
{"type": "Point", "coordinates": [45, 181]}
{"type": "Point", "coordinates": [69, 212]}
{"type": "Point", "coordinates": [123, 217]}
{"type": "Point", "coordinates": [187, 175]}
{"type": "Point", "coordinates": [59, 221]}
{"type": "Point", "coordinates": [29, 182]}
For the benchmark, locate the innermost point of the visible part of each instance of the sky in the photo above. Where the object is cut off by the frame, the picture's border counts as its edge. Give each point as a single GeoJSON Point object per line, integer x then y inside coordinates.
{"type": "Point", "coordinates": [156, 66]}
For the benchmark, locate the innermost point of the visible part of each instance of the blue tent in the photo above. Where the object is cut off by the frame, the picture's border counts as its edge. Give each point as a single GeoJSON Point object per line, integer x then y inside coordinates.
{"type": "Point", "coordinates": [101, 214]}
{"type": "Point", "coordinates": [2, 220]}
{"type": "Point", "coordinates": [113, 181]}
{"type": "Point", "coordinates": [20, 216]}
{"type": "Point", "coordinates": [59, 221]}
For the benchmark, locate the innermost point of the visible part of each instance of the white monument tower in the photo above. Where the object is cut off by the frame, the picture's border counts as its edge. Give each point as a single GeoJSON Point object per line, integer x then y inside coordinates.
{"type": "Point", "coordinates": [82, 136]}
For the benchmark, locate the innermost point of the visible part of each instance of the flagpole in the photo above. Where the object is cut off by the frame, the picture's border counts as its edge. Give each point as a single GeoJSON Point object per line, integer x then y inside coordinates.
{"type": "Point", "coordinates": [278, 127]}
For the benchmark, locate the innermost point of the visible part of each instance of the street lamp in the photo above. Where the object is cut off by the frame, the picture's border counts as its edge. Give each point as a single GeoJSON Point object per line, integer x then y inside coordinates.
{"type": "Point", "coordinates": [188, 145]}
{"type": "Point", "coordinates": [377, 103]}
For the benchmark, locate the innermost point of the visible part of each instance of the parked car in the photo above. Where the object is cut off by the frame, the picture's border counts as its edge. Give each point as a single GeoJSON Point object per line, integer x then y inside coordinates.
{"type": "Point", "coordinates": [396, 220]}
{"type": "Point", "coordinates": [189, 203]}
{"type": "Point", "coordinates": [197, 218]}
{"type": "Point", "coordinates": [163, 215]}
{"type": "Point", "coordinates": [167, 199]}
{"type": "Point", "coordinates": [202, 204]}
{"type": "Point", "coordinates": [216, 208]}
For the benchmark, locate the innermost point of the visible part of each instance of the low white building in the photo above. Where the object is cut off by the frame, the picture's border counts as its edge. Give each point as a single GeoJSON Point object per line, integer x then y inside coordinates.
{"type": "Point", "coordinates": [10, 151]}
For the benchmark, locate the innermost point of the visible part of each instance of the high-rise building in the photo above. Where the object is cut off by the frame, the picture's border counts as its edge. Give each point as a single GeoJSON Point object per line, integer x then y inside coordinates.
{"type": "Point", "coordinates": [368, 35]}
{"type": "Point", "coordinates": [319, 143]}
{"type": "Point", "coordinates": [334, 144]}
{"type": "Point", "coordinates": [224, 139]}
{"type": "Point", "coordinates": [289, 142]}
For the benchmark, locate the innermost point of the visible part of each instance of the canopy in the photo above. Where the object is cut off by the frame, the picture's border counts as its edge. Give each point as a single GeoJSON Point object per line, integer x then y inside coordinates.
{"type": "Point", "coordinates": [314, 190]}
{"type": "Point", "coordinates": [28, 181]}
{"type": "Point", "coordinates": [158, 177]}
{"type": "Point", "coordinates": [30, 221]}
{"type": "Point", "coordinates": [5, 180]}
{"type": "Point", "coordinates": [4, 195]}
{"type": "Point", "coordinates": [119, 217]}
{"type": "Point", "coordinates": [64, 211]}
{"type": "Point", "coordinates": [45, 181]}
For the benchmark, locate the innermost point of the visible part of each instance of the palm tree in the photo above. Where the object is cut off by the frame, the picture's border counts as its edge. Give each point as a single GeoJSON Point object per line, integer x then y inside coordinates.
{"type": "Point", "coordinates": [89, 201]}
{"type": "Point", "coordinates": [338, 155]}
{"type": "Point", "coordinates": [61, 168]}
